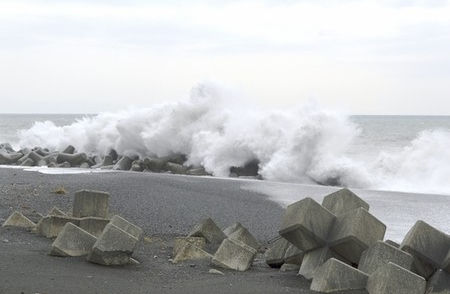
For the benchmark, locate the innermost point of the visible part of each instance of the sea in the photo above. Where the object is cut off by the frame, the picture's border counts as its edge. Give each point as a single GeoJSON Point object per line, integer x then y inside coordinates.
{"type": "Point", "coordinates": [396, 153]}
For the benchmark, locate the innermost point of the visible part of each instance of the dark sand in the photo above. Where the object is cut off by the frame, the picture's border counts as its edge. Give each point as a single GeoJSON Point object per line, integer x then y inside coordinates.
{"type": "Point", "coordinates": [164, 206]}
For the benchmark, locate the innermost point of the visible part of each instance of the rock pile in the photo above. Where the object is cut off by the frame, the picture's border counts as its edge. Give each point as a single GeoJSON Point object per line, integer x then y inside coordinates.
{"type": "Point", "coordinates": [89, 231]}
{"type": "Point", "coordinates": [343, 249]}
{"type": "Point", "coordinates": [175, 163]}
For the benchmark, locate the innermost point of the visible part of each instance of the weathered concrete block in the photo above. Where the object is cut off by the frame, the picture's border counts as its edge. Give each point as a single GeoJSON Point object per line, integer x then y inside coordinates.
{"type": "Point", "coordinates": [91, 203]}
{"type": "Point", "coordinates": [235, 255]}
{"type": "Point", "coordinates": [56, 211]}
{"type": "Point", "coordinates": [382, 253]}
{"type": "Point", "coordinates": [74, 159]}
{"type": "Point", "coordinates": [393, 279]}
{"type": "Point", "coordinates": [72, 241]}
{"type": "Point", "coordinates": [275, 254]}
{"type": "Point", "coordinates": [176, 168]}
{"type": "Point", "coordinates": [232, 228]}
{"type": "Point", "coordinates": [243, 235]}
{"type": "Point", "coordinates": [128, 227]}
{"type": "Point", "coordinates": [123, 164]}
{"type": "Point", "coordinates": [18, 220]}
{"type": "Point", "coordinates": [208, 229]}
{"type": "Point", "coordinates": [191, 252]}
{"type": "Point", "coordinates": [9, 158]}
{"type": "Point", "coordinates": [50, 226]}
{"type": "Point", "coordinates": [293, 255]}
{"type": "Point", "coordinates": [289, 267]}
{"type": "Point", "coordinates": [439, 283]}
{"type": "Point", "coordinates": [314, 259]}
{"type": "Point", "coordinates": [306, 224]}
{"type": "Point", "coordinates": [93, 225]}
{"type": "Point", "coordinates": [28, 162]}
{"type": "Point", "coordinates": [392, 243]}
{"type": "Point", "coordinates": [343, 201]}
{"type": "Point", "coordinates": [180, 242]}
{"type": "Point", "coordinates": [69, 150]}
{"type": "Point", "coordinates": [354, 232]}
{"type": "Point", "coordinates": [429, 247]}
{"type": "Point", "coordinates": [446, 264]}
{"type": "Point", "coordinates": [334, 275]}
{"type": "Point", "coordinates": [113, 247]}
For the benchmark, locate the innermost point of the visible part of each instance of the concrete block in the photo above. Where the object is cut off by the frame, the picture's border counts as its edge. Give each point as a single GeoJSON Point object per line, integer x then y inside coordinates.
{"type": "Point", "coordinates": [28, 162]}
{"type": "Point", "coordinates": [176, 168]}
{"type": "Point", "coordinates": [50, 226]}
{"type": "Point", "coordinates": [393, 279]}
{"type": "Point", "coordinates": [128, 227]}
{"type": "Point", "coordinates": [243, 235]}
{"type": "Point", "coordinates": [180, 242]}
{"type": "Point", "coordinates": [446, 264]}
{"type": "Point", "coordinates": [343, 201]}
{"type": "Point", "coordinates": [69, 150]}
{"type": "Point", "coordinates": [293, 255]}
{"type": "Point", "coordinates": [232, 228]}
{"type": "Point", "coordinates": [155, 164]}
{"type": "Point", "coordinates": [334, 275]}
{"type": "Point", "coordinates": [392, 243]}
{"type": "Point", "coordinates": [113, 247]}
{"type": "Point", "coordinates": [72, 241]}
{"type": "Point", "coordinates": [235, 255]}
{"type": "Point", "coordinates": [9, 158]}
{"type": "Point", "coordinates": [289, 267]}
{"type": "Point", "coordinates": [91, 203]}
{"type": "Point", "coordinates": [56, 211]}
{"type": "Point", "coordinates": [314, 259]}
{"type": "Point", "coordinates": [208, 229]}
{"type": "Point", "coordinates": [123, 164]}
{"type": "Point", "coordinates": [354, 232]}
{"type": "Point", "coordinates": [382, 253]}
{"type": "Point", "coordinates": [439, 283]}
{"type": "Point", "coordinates": [191, 252]}
{"type": "Point", "coordinates": [18, 220]}
{"type": "Point", "coordinates": [275, 254]}
{"type": "Point", "coordinates": [74, 159]}
{"type": "Point", "coordinates": [306, 224]}
{"type": "Point", "coordinates": [429, 247]}
{"type": "Point", "coordinates": [93, 225]}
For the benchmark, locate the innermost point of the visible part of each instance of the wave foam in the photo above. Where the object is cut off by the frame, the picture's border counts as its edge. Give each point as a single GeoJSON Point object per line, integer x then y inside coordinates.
{"type": "Point", "coordinates": [305, 145]}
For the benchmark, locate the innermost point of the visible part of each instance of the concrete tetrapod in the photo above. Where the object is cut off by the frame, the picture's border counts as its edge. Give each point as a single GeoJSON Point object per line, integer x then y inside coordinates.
{"type": "Point", "coordinates": [235, 255]}
{"type": "Point", "coordinates": [91, 203]}
{"type": "Point", "coordinates": [72, 241]}
{"type": "Point", "coordinates": [113, 247]}
{"type": "Point", "coordinates": [208, 229]}
{"type": "Point", "coordinates": [343, 201]}
{"type": "Point", "coordinates": [275, 254]}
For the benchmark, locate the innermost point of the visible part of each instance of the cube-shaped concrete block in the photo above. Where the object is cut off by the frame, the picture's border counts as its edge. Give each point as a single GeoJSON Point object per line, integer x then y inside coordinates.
{"type": "Point", "coordinates": [439, 283]}
{"type": "Point", "coordinates": [128, 227]}
{"type": "Point", "coordinates": [429, 247]}
{"type": "Point", "coordinates": [208, 229]}
{"type": "Point", "coordinates": [113, 247]}
{"type": "Point", "coordinates": [243, 235]}
{"type": "Point", "coordinates": [314, 259]}
{"type": "Point", "coordinates": [393, 279]}
{"type": "Point", "coordinates": [18, 220]}
{"type": "Point", "coordinates": [289, 267]}
{"type": "Point", "coordinates": [382, 253]}
{"type": "Point", "coordinates": [293, 255]}
{"type": "Point", "coordinates": [275, 254]}
{"type": "Point", "coordinates": [91, 203]}
{"type": "Point", "coordinates": [93, 225]}
{"type": "Point", "coordinates": [343, 201]}
{"type": "Point", "coordinates": [50, 226]}
{"type": "Point", "coordinates": [306, 224]}
{"type": "Point", "coordinates": [235, 255]}
{"type": "Point", "coordinates": [180, 242]}
{"type": "Point", "coordinates": [191, 252]}
{"type": "Point", "coordinates": [353, 232]}
{"type": "Point", "coordinates": [392, 243]}
{"type": "Point", "coordinates": [334, 275]}
{"type": "Point", "coordinates": [72, 241]}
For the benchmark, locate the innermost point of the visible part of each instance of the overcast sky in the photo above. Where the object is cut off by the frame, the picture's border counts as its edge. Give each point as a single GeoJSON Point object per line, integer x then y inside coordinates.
{"type": "Point", "coordinates": [364, 57]}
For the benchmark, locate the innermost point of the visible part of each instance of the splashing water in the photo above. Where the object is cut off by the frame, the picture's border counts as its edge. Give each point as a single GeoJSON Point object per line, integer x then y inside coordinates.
{"type": "Point", "coordinates": [305, 145]}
